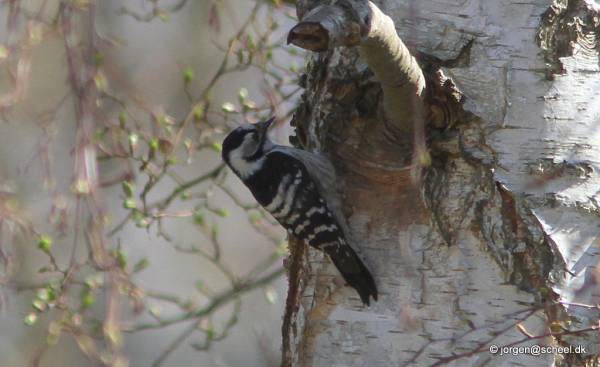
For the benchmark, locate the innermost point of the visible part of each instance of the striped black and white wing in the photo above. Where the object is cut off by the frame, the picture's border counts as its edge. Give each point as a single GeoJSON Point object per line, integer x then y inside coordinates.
{"type": "Point", "coordinates": [323, 175]}
{"type": "Point", "coordinates": [290, 191]}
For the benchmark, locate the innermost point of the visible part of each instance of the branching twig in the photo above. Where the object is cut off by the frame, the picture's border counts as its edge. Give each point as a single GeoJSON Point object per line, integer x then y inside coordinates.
{"type": "Point", "coordinates": [218, 301]}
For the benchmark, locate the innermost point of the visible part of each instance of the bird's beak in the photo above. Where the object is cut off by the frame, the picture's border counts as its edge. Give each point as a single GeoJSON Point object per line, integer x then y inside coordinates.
{"type": "Point", "coordinates": [263, 128]}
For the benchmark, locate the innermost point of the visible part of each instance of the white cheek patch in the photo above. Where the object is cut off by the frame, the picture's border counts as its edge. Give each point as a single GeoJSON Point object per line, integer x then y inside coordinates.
{"type": "Point", "coordinates": [240, 164]}
{"type": "Point", "coordinates": [243, 167]}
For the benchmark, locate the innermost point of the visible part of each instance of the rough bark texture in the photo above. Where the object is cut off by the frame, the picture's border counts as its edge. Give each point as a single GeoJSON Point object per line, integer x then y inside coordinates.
{"type": "Point", "coordinates": [497, 243]}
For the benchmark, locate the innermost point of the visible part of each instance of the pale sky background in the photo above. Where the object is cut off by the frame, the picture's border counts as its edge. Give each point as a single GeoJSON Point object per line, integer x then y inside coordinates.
{"type": "Point", "coordinates": [152, 56]}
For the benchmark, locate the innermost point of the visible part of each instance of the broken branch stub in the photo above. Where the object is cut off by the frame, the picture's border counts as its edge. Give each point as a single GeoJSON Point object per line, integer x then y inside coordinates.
{"type": "Point", "coordinates": [361, 23]}
{"type": "Point", "coordinates": [324, 27]}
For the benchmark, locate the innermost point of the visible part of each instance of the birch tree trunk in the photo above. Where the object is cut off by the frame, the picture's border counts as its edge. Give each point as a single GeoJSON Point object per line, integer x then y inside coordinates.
{"type": "Point", "coordinates": [474, 200]}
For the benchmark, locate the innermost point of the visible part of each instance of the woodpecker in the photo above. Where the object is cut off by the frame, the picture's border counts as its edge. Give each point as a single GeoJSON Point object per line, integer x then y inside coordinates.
{"type": "Point", "coordinates": [298, 189]}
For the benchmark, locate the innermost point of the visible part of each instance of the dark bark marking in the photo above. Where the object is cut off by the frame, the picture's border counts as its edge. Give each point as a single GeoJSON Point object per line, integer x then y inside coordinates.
{"type": "Point", "coordinates": [289, 328]}
{"type": "Point", "coordinates": [565, 26]}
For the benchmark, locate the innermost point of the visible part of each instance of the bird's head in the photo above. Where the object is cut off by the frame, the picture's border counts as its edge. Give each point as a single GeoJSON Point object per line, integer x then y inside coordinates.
{"type": "Point", "coordinates": [246, 143]}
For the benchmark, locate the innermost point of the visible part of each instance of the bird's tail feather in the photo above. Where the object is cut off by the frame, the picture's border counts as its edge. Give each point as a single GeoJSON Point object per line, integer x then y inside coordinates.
{"type": "Point", "coordinates": [354, 271]}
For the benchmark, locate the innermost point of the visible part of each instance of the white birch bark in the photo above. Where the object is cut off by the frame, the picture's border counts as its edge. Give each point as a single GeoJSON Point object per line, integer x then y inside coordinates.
{"type": "Point", "coordinates": [498, 243]}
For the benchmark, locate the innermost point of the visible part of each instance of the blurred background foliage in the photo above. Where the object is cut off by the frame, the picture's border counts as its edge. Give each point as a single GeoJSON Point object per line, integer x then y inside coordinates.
{"type": "Point", "coordinates": [124, 241]}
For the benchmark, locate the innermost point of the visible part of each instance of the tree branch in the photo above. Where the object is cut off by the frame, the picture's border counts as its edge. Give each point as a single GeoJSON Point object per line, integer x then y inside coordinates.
{"type": "Point", "coordinates": [218, 301]}
{"type": "Point", "coordinates": [361, 23]}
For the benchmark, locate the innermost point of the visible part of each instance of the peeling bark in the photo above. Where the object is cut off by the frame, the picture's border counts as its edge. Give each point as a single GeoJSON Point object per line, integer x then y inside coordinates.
{"type": "Point", "coordinates": [569, 27]}
{"type": "Point", "coordinates": [498, 242]}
